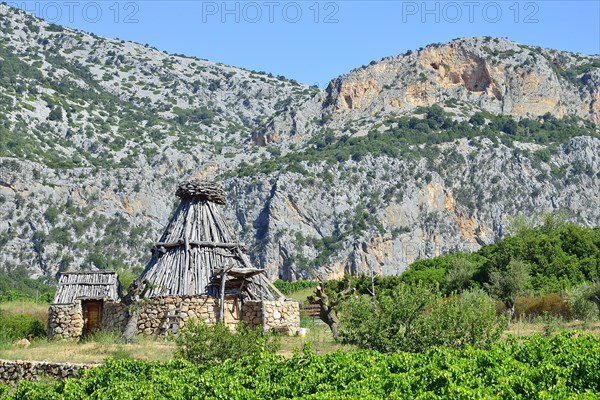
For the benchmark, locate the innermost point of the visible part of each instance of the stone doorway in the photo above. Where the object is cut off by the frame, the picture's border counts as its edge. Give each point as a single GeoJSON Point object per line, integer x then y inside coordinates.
{"type": "Point", "coordinates": [92, 315]}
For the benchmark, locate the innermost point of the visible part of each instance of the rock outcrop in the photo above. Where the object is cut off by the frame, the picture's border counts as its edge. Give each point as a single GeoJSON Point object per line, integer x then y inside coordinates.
{"type": "Point", "coordinates": [95, 134]}
{"type": "Point", "coordinates": [496, 75]}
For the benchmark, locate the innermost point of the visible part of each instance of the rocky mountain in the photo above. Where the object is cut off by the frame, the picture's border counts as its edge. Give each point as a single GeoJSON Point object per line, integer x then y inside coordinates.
{"type": "Point", "coordinates": [408, 157]}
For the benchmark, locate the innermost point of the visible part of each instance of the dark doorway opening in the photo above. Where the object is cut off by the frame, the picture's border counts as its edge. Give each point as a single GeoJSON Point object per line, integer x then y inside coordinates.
{"type": "Point", "coordinates": [92, 315]}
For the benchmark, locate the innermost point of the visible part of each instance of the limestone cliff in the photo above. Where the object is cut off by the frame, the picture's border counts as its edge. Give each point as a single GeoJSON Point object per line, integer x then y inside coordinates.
{"type": "Point", "coordinates": [495, 75]}
{"type": "Point", "coordinates": [361, 177]}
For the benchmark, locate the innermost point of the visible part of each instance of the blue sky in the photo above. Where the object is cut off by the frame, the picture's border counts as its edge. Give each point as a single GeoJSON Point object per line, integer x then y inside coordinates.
{"type": "Point", "coordinates": [315, 41]}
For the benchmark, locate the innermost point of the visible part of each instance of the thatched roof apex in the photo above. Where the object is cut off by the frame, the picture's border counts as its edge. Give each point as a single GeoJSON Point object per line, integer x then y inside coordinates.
{"type": "Point", "coordinates": [203, 190]}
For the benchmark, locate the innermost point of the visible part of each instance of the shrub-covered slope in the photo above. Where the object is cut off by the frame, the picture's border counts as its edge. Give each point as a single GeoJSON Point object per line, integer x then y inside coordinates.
{"type": "Point", "coordinates": [410, 157]}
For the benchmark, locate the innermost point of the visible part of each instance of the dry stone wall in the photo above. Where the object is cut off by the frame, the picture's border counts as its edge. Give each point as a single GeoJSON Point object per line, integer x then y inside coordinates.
{"type": "Point", "coordinates": [161, 314]}
{"type": "Point", "coordinates": [16, 370]}
{"type": "Point", "coordinates": [169, 313]}
{"type": "Point", "coordinates": [65, 321]}
{"type": "Point", "coordinates": [279, 316]}
{"type": "Point", "coordinates": [114, 316]}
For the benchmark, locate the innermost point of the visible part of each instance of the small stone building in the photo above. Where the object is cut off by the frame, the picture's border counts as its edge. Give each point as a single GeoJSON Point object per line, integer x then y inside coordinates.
{"type": "Point", "coordinates": [84, 302]}
{"type": "Point", "coordinates": [197, 270]}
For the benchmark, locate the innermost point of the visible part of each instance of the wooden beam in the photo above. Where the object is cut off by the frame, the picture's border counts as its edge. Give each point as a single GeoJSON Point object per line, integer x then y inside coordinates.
{"type": "Point", "coordinates": [211, 245]}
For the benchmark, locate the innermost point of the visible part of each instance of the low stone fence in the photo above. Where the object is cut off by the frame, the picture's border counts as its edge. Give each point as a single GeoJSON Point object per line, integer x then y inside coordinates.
{"type": "Point", "coordinates": [16, 370]}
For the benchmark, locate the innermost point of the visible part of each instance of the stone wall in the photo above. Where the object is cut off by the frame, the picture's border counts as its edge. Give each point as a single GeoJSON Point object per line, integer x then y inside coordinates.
{"type": "Point", "coordinates": [279, 316]}
{"type": "Point", "coordinates": [114, 316]}
{"type": "Point", "coordinates": [13, 371]}
{"type": "Point", "coordinates": [65, 321]}
{"type": "Point", "coordinates": [160, 314]}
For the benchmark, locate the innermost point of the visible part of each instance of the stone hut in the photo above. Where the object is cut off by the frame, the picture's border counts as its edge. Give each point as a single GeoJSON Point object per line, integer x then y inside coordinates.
{"type": "Point", "coordinates": [198, 270]}
{"type": "Point", "coordinates": [84, 302]}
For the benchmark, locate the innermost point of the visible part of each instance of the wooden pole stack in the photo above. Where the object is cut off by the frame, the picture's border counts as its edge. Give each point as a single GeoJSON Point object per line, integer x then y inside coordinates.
{"type": "Point", "coordinates": [197, 253]}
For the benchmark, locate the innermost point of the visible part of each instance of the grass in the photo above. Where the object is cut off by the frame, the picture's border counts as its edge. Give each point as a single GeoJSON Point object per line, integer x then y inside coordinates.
{"type": "Point", "coordinates": [302, 295]}
{"type": "Point", "coordinates": [319, 336]}
{"type": "Point", "coordinates": [94, 349]}
{"type": "Point", "coordinates": [25, 306]}
{"type": "Point", "coordinates": [551, 326]}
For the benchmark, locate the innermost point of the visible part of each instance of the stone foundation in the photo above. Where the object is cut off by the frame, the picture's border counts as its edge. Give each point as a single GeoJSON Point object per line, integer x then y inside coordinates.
{"type": "Point", "coordinates": [65, 321]}
{"type": "Point", "coordinates": [171, 313]}
{"type": "Point", "coordinates": [14, 371]}
{"type": "Point", "coordinates": [279, 316]}
{"type": "Point", "coordinates": [159, 315]}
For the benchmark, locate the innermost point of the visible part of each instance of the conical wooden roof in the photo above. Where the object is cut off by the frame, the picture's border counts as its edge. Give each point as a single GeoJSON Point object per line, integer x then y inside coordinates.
{"type": "Point", "coordinates": [197, 246]}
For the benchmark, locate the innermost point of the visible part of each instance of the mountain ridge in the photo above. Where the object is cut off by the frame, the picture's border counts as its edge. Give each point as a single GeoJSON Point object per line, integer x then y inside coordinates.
{"type": "Point", "coordinates": [380, 169]}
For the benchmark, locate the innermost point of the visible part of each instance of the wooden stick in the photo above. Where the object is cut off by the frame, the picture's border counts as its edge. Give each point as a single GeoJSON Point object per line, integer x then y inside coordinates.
{"type": "Point", "coordinates": [223, 279]}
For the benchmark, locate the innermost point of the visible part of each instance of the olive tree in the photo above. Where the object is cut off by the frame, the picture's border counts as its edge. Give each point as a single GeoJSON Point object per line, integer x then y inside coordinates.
{"type": "Point", "coordinates": [509, 283]}
{"type": "Point", "coordinates": [460, 274]}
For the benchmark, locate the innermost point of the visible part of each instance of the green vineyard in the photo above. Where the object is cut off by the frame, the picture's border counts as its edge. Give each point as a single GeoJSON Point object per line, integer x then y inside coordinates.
{"type": "Point", "coordinates": [563, 366]}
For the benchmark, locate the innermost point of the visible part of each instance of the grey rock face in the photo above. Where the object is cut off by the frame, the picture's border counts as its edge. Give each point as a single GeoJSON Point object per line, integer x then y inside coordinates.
{"type": "Point", "coordinates": [96, 133]}
{"type": "Point", "coordinates": [495, 75]}
{"type": "Point", "coordinates": [422, 210]}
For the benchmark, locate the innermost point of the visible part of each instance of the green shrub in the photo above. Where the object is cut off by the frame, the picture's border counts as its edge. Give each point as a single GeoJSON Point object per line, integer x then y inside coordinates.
{"type": "Point", "coordinates": [288, 288]}
{"type": "Point", "coordinates": [458, 321]}
{"type": "Point", "coordinates": [563, 366]}
{"type": "Point", "coordinates": [15, 284]}
{"type": "Point", "coordinates": [582, 308]}
{"type": "Point", "coordinates": [212, 344]}
{"type": "Point", "coordinates": [414, 318]}
{"type": "Point", "coordinates": [127, 276]}
{"type": "Point", "coordinates": [18, 326]}
{"type": "Point", "coordinates": [460, 274]}
{"type": "Point", "coordinates": [559, 255]}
